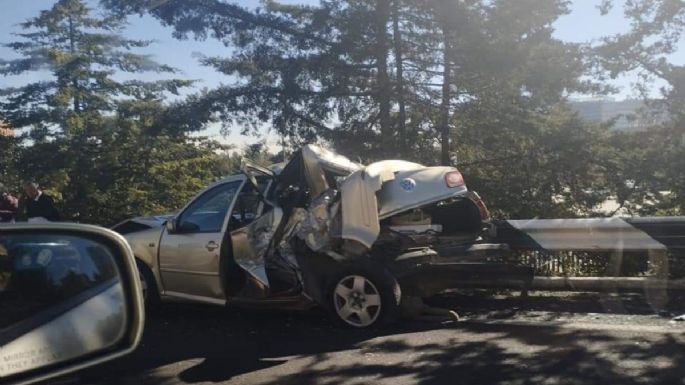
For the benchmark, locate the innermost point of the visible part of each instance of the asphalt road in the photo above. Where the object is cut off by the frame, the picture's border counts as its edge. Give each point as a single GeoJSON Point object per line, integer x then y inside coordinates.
{"type": "Point", "coordinates": [572, 339]}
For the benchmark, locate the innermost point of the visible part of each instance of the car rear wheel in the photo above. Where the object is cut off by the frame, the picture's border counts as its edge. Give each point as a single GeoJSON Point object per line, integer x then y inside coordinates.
{"type": "Point", "coordinates": [364, 297]}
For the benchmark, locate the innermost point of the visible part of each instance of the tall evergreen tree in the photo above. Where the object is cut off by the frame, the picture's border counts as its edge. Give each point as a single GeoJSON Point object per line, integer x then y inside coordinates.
{"type": "Point", "coordinates": [308, 71]}
{"type": "Point", "coordinates": [75, 119]}
{"type": "Point", "coordinates": [655, 157]}
{"type": "Point", "coordinates": [346, 70]}
{"type": "Point", "coordinates": [9, 161]}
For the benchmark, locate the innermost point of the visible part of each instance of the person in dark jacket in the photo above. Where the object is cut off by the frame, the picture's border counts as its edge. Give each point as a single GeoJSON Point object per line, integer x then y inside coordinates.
{"type": "Point", "coordinates": [39, 206]}
{"type": "Point", "coordinates": [9, 206]}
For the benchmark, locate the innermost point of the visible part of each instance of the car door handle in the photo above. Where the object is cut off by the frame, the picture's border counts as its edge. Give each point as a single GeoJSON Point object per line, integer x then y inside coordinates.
{"type": "Point", "coordinates": [211, 246]}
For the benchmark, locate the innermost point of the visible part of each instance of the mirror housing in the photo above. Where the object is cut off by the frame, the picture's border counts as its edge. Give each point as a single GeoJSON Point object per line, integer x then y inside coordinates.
{"type": "Point", "coordinates": [170, 225]}
{"type": "Point", "coordinates": [173, 227]}
{"type": "Point", "coordinates": [97, 287]}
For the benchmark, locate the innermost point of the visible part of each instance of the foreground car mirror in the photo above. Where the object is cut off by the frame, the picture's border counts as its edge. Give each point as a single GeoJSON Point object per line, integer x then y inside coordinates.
{"type": "Point", "coordinates": [70, 298]}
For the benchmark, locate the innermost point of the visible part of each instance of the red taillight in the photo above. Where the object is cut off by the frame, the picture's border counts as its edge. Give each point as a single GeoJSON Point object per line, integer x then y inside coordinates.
{"type": "Point", "coordinates": [454, 179]}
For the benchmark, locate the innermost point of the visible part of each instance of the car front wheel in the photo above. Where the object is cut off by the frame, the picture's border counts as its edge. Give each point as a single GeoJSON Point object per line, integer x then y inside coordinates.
{"type": "Point", "coordinates": [148, 286]}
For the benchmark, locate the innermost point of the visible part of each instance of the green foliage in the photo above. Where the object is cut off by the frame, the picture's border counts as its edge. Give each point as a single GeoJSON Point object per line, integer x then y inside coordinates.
{"type": "Point", "coordinates": [482, 84]}
{"type": "Point", "coordinates": [9, 160]}
{"type": "Point", "coordinates": [105, 149]}
{"type": "Point", "coordinates": [337, 71]}
{"type": "Point", "coordinates": [532, 164]}
{"type": "Point", "coordinates": [654, 158]}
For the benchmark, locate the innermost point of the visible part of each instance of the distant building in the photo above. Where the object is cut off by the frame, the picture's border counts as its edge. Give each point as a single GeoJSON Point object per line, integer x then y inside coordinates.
{"type": "Point", "coordinates": [631, 115]}
{"type": "Point", "coordinates": [6, 130]}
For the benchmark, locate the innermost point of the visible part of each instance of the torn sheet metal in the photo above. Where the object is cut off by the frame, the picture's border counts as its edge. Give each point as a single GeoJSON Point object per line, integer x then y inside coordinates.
{"type": "Point", "coordinates": [251, 244]}
{"type": "Point", "coordinates": [319, 227]}
{"type": "Point", "coordinates": [315, 228]}
{"type": "Point", "coordinates": [284, 249]}
{"type": "Point", "coordinates": [346, 225]}
{"type": "Point", "coordinates": [281, 261]}
{"type": "Point", "coordinates": [316, 160]}
{"type": "Point", "coordinates": [330, 161]}
{"type": "Point", "coordinates": [359, 207]}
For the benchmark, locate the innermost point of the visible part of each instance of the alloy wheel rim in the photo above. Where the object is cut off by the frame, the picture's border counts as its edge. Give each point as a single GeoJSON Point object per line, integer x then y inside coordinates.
{"type": "Point", "coordinates": [357, 301]}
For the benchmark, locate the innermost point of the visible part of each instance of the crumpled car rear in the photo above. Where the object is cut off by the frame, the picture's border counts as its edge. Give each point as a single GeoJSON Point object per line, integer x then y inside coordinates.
{"type": "Point", "coordinates": [336, 211]}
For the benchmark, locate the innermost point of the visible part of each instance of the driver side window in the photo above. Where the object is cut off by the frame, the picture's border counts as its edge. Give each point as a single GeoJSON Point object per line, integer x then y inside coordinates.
{"type": "Point", "coordinates": [207, 213]}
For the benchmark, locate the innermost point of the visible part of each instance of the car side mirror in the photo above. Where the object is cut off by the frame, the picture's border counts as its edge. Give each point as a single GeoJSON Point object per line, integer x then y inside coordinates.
{"type": "Point", "coordinates": [170, 225]}
{"type": "Point", "coordinates": [70, 298]}
{"type": "Point", "coordinates": [173, 227]}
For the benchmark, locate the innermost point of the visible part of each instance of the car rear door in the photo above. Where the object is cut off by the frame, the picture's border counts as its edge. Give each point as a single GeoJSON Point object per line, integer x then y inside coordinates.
{"type": "Point", "coordinates": [189, 257]}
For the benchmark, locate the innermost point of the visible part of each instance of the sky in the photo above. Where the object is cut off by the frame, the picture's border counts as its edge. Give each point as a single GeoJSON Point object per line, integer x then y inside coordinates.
{"type": "Point", "coordinates": [583, 24]}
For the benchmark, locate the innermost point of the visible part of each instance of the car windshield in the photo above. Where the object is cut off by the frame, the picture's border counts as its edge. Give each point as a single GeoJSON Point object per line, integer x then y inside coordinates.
{"type": "Point", "coordinates": [477, 191]}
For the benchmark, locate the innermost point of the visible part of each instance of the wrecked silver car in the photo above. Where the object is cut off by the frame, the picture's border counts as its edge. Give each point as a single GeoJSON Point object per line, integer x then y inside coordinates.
{"type": "Point", "coordinates": [319, 230]}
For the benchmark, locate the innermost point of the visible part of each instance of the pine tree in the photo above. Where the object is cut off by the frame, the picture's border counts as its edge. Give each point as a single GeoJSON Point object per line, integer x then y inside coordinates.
{"type": "Point", "coordinates": [378, 78]}
{"type": "Point", "coordinates": [655, 157]}
{"type": "Point", "coordinates": [76, 119]}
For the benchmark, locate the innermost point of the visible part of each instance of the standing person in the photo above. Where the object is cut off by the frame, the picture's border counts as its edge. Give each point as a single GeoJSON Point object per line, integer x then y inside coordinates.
{"type": "Point", "coordinates": [40, 207]}
{"type": "Point", "coordinates": [9, 206]}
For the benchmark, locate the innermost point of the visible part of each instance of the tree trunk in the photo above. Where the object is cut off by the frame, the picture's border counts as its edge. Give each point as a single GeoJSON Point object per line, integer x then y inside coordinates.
{"type": "Point", "coordinates": [81, 165]}
{"type": "Point", "coordinates": [446, 97]}
{"type": "Point", "coordinates": [72, 50]}
{"type": "Point", "coordinates": [384, 90]}
{"type": "Point", "coordinates": [397, 42]}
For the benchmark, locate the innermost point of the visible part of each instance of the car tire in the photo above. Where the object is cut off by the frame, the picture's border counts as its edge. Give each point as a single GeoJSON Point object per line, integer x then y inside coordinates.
{"type": "Point", "coordinates": [149, 286]}
{"type": "Point", "coordinates": [363, 296]}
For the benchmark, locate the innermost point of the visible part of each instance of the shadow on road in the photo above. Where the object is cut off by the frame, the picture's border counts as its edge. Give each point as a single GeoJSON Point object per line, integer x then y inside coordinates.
{"type": "Point", "coordinates": [224, 343]}
{"type": "Point", "coordinates": [200, 344]}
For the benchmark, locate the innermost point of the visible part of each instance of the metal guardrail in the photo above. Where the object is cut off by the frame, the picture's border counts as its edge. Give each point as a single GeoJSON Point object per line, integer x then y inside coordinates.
{"type": "Point", "coordinates": [594, 234]}
{"type": "Point", "coordinates": [564, 246]}
{"type": "Point", "coordinates": [580, 284]}
{"type": "Point", "coordinates": [605, 284]}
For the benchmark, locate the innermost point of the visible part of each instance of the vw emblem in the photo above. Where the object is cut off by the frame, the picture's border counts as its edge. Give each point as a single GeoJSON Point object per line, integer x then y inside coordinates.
{"type": "Point", "coordinates": [408, 184]}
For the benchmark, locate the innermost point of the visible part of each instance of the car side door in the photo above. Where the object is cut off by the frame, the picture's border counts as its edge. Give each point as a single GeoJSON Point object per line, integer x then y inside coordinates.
{"type": "Point", "coordinates": [252, 225]}
{"type": "Point", "coordinates": [189, 255]}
